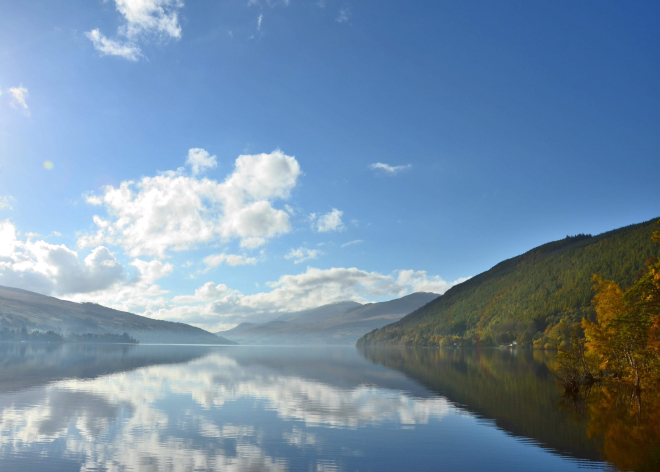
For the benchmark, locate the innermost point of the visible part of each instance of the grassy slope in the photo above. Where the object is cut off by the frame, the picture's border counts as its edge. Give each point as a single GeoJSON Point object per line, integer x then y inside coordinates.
{"type": "Point", "coordinates": [521, 296]}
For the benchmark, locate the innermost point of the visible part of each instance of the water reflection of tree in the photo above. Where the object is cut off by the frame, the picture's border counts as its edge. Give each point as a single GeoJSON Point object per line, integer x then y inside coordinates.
{"type": "Point", "coordinates": [514, 389]}
{"type": "Point", "coordinates": [629, 424]}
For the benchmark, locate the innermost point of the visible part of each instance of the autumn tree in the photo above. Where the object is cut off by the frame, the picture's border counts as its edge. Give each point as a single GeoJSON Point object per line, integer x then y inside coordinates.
{"type": "Point", "coordinates": [626, 336]}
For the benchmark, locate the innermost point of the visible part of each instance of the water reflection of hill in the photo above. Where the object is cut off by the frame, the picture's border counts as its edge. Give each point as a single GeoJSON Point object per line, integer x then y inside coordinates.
{"type": "Point", "coordinates": [516, 391]}
{"type": "Point", "coordinates": [26, 365]}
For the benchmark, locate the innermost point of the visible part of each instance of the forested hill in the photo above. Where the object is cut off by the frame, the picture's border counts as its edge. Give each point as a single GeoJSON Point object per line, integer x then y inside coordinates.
{"type": "Point", "coordinates": [520, 297]}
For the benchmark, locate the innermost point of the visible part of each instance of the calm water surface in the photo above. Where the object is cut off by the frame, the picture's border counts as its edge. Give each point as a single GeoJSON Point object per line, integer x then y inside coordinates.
{"type": "Point", "coordinates": [195, 408]}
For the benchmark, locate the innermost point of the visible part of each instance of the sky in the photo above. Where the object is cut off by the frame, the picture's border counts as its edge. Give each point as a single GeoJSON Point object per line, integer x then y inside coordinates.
{"type": "Point", "coordinates": [216, 162]}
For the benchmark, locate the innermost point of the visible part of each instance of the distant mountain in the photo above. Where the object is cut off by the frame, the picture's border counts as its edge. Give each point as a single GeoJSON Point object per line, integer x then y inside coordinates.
{"type": "Point", "coordinates": [521, 297]}
{"type": "Point", "coordinates": [339, 323]}
{"type": "Point", "coordinates": [319, 314]}
{"type": "Point", "coordinates": [21, 308]}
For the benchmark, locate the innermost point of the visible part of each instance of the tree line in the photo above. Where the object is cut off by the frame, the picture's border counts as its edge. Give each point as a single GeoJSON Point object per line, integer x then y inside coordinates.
{"type": "Point", "coordinates": [25, 335]}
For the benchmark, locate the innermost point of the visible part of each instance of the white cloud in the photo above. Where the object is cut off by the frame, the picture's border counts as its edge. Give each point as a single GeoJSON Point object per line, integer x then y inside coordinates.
{"type": "Point", "coordinates": [54, 269]}
{"type": "Point", "coordinates": [352, 243]}
{"type": "Point", "coordinates": [302, 254]}
{"type": "Point", "coordinates": [328, 222]}
{"type": "Point", "coordinates": [18, 97]}
{"type": "Point", "coordinates": [259, 20]}
{"type": "Point", "coordinates": [419, 281]}
{"type": "Point", "coordinates": [207, 292]}
{"type": "Point", "coordinates": [388, 169]}
{"type": "Point", "coordinates": [215, 260]}
{"type": "Point", "coordinates": [150, 271]}
{"type": "Point", "coordinates": [344, 14]}
{"type": "Point", "coordinates": [110, 47]}
{"type": "Point", "coordinates": [142, 18]}
{"type": "Point", "coordinates": [200, 160]}
{"type": "Point", "coordinates": [223, 308]}
{"type": "Point", "coordinates": [137, 294]}
{"type": "Point", "coordinates": [160, 17]}
{"type": "Point", "coordinates": [252, 243]}
{"type": "Point", "coordinates": [179, 212]}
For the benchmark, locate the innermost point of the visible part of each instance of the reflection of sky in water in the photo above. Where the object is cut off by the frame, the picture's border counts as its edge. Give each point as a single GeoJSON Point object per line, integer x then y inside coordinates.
{"type": "Point", "coordinates": [216, 413]}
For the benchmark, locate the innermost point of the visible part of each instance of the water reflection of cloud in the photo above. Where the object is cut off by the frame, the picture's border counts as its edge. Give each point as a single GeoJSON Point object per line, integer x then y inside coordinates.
{"type": "Point", "coordinates": [166, 417]}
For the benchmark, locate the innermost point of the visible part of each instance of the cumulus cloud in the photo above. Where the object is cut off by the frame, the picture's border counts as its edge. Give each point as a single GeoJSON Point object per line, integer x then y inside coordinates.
{"type": "Point", "coordinates": [54, 269]}
{"type": "Point", "coordinates": [142, 19]}
{"type": "Point", "coordinates": [138, 294]}
{"type": "Point", "coordinates": [388, 169]}
{"type": "Point", "coordinates": [179, 212]}
{"type": "Point", "coordinates": [215, 260]}
{"type": "Point", "coordinates": [302, 254]}
{"type": "Point", "coordinates": [221, 308]}
{"type": "Point", "coordinates": [200, 160]}
{"type": "Point", "coordinates": [18, 97]}
{"type": "Point", "coordinates": [328, 222]}
{"type": "Point", "coordinates": [207, 292]}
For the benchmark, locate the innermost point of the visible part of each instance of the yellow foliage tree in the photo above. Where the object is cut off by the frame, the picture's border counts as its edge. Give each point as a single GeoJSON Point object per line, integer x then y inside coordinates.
{"type": "Point", "coordinates": [627, 326]}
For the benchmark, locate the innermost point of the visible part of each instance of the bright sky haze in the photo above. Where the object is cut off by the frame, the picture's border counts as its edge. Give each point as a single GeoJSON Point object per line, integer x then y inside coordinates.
{"type": "Point", "coordinates": [214, 162]}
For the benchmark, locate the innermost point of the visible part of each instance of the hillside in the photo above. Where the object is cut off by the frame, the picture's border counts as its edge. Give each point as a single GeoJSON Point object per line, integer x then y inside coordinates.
{"type": "Point", "coordinates": [338, 323]}
{"type": "Point", "coordinates": [21, 308]}
{"type": "Point", "coordinates": [520, 297]}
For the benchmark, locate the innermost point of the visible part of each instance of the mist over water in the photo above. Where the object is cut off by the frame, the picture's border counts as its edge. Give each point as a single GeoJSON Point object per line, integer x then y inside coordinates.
{"type": "Point", "coordinates": [189, 408]}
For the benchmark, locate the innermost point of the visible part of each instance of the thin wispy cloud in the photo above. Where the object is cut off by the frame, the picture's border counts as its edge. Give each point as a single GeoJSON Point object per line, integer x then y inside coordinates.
{"type": "Point", "coordinates": [269, 3]}
{"type": "Point", "coordinates": [352, 243]}
{"type": "Point", "coordinates": [143, 19]}
{"type": "Point", "coordinates": [259, 20]}
{"type": "Point", "coordinates": [344, 14]}
{"type": "Point", "coordinates": [6, 202]}
{"type": "Point", "coordinates": [18, 97]}
{"type": "Point", "coordinates": [233, 260]}
{"type": "Point", "coordinates": [302, 254]}
{"type": "Point", "coordinates": [388, 169]}
{"type": "Point", "coordinates": [110, 47]}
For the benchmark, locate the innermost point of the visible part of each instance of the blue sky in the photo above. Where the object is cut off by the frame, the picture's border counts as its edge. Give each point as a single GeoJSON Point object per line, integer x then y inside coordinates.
{"type": "Point", "coordinates": [499, 126]}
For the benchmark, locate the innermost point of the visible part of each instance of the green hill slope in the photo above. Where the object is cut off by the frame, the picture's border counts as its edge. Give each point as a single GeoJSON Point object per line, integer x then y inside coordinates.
{"type": "Point", "coordinates": [520, 297]}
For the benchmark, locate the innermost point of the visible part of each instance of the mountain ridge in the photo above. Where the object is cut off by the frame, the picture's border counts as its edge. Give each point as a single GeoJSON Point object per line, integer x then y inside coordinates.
{"type": "Point", "coordinates": [344, 328]}
{"type": "Point", "coordinates": [22, 308]}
